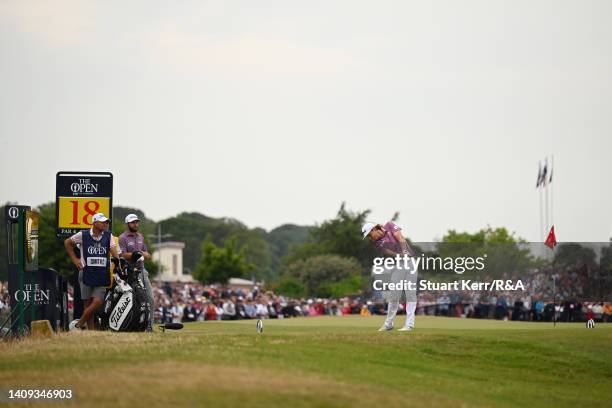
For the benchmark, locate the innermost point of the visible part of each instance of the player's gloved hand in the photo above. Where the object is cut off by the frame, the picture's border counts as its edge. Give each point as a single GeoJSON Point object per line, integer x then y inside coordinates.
{"type": "Point", "coordinates": [137, 256]}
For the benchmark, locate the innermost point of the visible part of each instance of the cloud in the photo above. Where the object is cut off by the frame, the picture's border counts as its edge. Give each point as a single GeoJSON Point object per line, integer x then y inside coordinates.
{"type": "Point", "coordinates": [178, 49]}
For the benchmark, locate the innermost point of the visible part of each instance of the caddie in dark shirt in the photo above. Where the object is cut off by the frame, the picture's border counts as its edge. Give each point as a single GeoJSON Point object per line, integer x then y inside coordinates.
{"type": "Point", "coordinates": [94, 266]}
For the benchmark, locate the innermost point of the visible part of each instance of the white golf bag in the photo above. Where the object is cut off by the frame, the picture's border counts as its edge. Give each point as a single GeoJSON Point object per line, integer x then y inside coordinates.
{"type": "Point", "coordinates": [125, 306]}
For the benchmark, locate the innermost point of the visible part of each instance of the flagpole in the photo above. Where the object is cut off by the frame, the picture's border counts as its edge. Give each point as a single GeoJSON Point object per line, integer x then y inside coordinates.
{"type": "Point", "coordinates": [552, 168]}
{"type": "Point", "coordinates": [541, 217]}
{"type": "Point", "coordinates": [546, 226]}
{"type": "Point", "coordinates": [539, 187]}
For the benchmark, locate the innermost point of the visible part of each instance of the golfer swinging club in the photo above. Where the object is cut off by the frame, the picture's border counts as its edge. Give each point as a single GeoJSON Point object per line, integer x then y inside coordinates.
{"type": "Point", "coordinates": [389, 239]}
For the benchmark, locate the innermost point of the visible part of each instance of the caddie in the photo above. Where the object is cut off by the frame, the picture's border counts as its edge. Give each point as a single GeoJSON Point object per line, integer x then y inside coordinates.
{"type": "Point", "coordinates": [94, 266]}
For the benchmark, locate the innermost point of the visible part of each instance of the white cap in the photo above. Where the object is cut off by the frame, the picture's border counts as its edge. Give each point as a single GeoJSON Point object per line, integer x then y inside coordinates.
{"type": "Point", "coordinates": [131, 218]}
{"type": "Point", "coordinates": [99, 217]}
{"type": "Point", "coordinates": [367, 227]}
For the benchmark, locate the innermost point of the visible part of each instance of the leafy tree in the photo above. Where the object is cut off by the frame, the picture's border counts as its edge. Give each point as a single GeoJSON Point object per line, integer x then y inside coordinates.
{"type": "Point", "coordinates": [606, 257]}
{"type": "Point", "coordinates": [218, 264]}
{"type": "Point", "coordinates": [257, 251]}
{"type": "Point", "coordinates": [323, 275]}
{"type": "Point", "coordinates": [348, 286]}
{"type": "Point", "coordinates": [148, 227]}
{"type": "Point", "coordinates": [340, 236]}
{"type": "Point", "coordinates": [301, 253]}
{"type": "Point", "coordinates": [604, 283]}
{"type": "Point", "coordinates": [484, 236]}
{"type": "Point", "coordinates": [290, 286]}
{"type": "Point", "coordinates": [192, 229]}
{"type": "Point", "coordinates": [573, 254]}
{"type": "Point", "coordinates": [505, 252]}
{"type": "Point", "coordinates": [283, 238]}
{"type": "Point", "coordinates": [263, 249]}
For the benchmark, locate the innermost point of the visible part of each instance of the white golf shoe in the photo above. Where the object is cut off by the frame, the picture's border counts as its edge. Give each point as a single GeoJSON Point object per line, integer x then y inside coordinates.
{"type": "Point", "coordinates": [406, 328]}
{"type": "Point", "coordinates": [385, 328]}
{"type": "Point", "coordinates": [73, 326]}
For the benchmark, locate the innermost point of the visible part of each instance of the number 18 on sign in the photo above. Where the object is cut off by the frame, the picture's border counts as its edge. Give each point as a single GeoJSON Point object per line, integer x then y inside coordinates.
{"type": "Point", "coordinates": [80, 195]}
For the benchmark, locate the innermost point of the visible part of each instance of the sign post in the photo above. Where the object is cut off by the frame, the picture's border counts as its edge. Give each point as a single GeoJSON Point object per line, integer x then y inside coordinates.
{"type": "Point", "coordinates": [36, 293]}
{"type": "Point", "coordinates": [15, 277]}
{"type": "Point", "coordinates": [80, 195]}
{"type": "Point", "coordinates": [24, 285]}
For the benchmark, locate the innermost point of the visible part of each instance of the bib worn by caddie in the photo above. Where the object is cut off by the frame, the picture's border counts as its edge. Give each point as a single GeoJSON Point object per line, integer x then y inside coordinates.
{"type": "Point", "coordinates": [96, 271]}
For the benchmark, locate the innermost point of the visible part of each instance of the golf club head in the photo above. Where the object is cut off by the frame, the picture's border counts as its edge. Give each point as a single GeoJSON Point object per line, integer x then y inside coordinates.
{"type": "Point", "coordinates": [171, 326]}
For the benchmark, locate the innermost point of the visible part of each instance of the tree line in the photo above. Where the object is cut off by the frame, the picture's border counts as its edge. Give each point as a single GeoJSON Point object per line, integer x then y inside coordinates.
{"type": "Point", "coordinates": [329, 259]}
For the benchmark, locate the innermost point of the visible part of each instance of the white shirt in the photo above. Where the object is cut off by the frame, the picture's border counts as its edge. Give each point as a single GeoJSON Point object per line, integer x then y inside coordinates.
{"type": "Point", "coordinates": [177, 314]}
{"type": "Point", "coordinates": [229, 309]}
{"type": "Point", "coordinates": [262, 310]}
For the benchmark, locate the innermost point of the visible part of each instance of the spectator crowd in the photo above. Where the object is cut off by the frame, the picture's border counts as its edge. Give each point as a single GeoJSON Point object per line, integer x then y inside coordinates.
{"type": "Point", "coordinates": [188, 302]}
{"type": "Point", "coordinates": [5, 301]}
{"type": "Point", "coordinates": [185, 302]}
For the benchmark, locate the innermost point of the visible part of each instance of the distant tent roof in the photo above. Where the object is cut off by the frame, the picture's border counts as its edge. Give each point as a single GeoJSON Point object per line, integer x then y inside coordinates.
{"type": "Point", "coordinates": [242, 282]}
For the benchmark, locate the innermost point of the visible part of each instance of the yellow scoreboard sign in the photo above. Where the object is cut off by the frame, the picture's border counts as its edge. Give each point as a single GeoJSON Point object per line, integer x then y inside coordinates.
{"type": "Point", "coordinates": [80, 195]}
{"type": "Point", "coordinates": [76, 212]}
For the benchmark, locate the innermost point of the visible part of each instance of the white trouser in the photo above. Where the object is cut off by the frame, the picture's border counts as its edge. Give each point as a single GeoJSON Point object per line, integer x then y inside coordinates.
{"type": "Point", "coordinates": [393, 297]}
{"type": "Point", "coordinates": [392, 311]}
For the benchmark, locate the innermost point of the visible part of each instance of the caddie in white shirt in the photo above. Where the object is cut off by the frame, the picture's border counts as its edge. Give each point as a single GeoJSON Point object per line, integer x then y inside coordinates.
{"type": "Point", "coordinates": [93, 266]}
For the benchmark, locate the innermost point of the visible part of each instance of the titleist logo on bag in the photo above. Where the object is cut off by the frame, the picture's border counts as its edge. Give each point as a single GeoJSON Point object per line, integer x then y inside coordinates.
{"type": "Point", "coordinates": [120, 311]}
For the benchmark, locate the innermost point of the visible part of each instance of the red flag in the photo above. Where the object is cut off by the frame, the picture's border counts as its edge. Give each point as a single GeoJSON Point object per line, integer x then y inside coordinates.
{"type": "Point", "coordinates": [551, 241]}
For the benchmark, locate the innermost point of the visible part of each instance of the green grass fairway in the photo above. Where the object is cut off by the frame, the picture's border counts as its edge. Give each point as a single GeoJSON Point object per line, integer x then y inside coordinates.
{"type": "Point", "coordinates": [326, 361]}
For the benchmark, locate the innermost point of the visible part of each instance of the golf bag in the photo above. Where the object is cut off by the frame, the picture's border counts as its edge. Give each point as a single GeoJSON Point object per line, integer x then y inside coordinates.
{"type": "Point", "coordinates": [125, 306]}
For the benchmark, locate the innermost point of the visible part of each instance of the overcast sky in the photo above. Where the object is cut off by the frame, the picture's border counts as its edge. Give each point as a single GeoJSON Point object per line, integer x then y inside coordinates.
{"type": "Point", "coordinates": [277, 111]}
